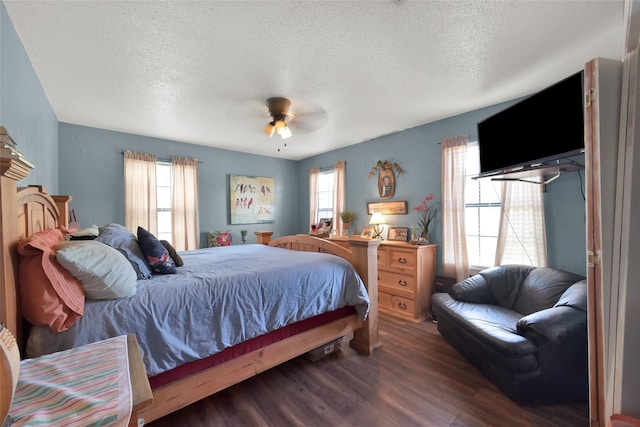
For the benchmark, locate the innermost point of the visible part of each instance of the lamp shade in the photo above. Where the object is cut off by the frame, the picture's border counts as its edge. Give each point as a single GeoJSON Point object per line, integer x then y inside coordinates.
{"type": "Point", "coordinates": [285, 132]}
{"type": "Point", "coordinates": [376, 219]}
{"type": "Point", "coordinates": [280, 125]}
{"type": "Point", "coordinates": [270, 129]}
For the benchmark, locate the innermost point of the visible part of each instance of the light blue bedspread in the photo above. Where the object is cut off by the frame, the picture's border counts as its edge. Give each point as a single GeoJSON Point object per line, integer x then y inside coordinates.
{"type": "Point", "coordinates": [219, 298]}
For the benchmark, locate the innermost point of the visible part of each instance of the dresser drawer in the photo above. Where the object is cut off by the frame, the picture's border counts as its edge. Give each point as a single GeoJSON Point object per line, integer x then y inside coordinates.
{"type": "Point", "coordinates": [397, 281]}
{"type": "Point", "coordinates": [383, 257]}
{"type": "Point", "coordinates": [396, 304]}
{"type": "Point", "coordinates": [402, 259]}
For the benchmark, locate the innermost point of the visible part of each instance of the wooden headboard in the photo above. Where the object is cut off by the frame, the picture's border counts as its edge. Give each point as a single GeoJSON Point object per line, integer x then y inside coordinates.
{"type": "Point", "coordinates": [23, 211]}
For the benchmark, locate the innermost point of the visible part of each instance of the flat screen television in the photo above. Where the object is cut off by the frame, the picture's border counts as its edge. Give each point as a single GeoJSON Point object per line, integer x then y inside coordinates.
{"type": "Point", "coordinates": [546, 126]}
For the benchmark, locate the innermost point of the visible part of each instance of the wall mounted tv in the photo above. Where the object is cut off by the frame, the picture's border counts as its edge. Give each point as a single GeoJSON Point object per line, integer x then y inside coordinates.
{"type": "Point", "coordinates": [544, 127]}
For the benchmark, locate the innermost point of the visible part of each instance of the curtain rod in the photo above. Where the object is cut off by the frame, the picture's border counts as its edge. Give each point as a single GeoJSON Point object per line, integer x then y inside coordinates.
{"type": "Point", "coordinates": [164, 160]}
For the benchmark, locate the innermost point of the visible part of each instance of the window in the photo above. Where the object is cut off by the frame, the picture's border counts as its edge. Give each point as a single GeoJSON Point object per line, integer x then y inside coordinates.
{"type": "Point", "coordinates": [324, 196]}
{"type": "Point", "coordinates": [482, 212]}
{"type": "Point", "coordinates": [164, 197]}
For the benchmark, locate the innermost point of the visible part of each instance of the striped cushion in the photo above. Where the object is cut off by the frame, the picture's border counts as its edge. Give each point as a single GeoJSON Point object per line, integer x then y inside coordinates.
{"type": "Point", "coordinates": [87, 385]}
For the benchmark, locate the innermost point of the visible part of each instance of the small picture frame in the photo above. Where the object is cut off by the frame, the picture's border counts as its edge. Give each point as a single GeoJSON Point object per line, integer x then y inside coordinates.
{"type": "Point", "coordinates": [398, 234]}
{"type": "Point", "coordinates": [367, 232]}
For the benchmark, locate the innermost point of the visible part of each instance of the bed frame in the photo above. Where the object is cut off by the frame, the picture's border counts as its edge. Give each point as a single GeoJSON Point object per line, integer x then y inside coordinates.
{"type": "Point", "coordinates": [25, 211]}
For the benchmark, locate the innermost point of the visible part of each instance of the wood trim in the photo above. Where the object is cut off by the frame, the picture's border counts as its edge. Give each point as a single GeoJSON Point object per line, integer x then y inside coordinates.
{"type": "Point", "coordinates": [12, 168]}
{"type": "Point", "coordinates": [604, 155]}
{"type": "Point", "coordinates": [263, 237]}
{"type": "Point", "coordinates": [594, 308]}
{"type": "Point", "coordinates": [140, 388]}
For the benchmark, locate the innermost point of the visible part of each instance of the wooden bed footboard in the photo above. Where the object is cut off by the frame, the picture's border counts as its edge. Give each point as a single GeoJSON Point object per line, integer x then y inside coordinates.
{"type": "Point", "coordinates": [364, 257]}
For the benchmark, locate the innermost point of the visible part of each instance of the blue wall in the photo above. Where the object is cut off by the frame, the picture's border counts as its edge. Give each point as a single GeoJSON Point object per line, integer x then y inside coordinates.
{"type": "Point", "coordinates": [25, 110]}
{"type": "Point", "coordinates": [418, 152]}
{"type": "Point", "coordinates": [92, 169]}
{"type": "Point", "coordinates": [87, 163]}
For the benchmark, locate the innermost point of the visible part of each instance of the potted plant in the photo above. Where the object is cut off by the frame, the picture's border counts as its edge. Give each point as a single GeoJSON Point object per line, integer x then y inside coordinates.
{"type": "Point", "coordinates": [347, 217]}
{"type": "Point", "coordinates": [425, 216]}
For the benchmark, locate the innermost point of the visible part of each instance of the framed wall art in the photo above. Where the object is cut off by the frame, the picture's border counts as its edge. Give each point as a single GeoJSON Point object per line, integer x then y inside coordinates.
{"type": "Point", "coordinates": [398, 234]}
{"type": "Point", "coordinates": [387, 208]}
{"type": "Point", "coordinates": [252, 199]}
{"type": "Point", "coordinates": [386, 184]}
{"type": "Point", "coordinates": [367, 232]}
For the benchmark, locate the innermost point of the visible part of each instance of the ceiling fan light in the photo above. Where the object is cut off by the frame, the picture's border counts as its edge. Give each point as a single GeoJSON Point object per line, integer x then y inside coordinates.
{"type": "Point", "coordinates": [280, 124]}
{"type": "Point", "coordinates": [285, 132]}
{"type": "Point", "coordinates": [270, 129]}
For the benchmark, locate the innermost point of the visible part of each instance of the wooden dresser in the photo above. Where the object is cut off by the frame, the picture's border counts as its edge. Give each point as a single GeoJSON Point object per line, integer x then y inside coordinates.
{"type": "Point", "coordinates": [406, 278]}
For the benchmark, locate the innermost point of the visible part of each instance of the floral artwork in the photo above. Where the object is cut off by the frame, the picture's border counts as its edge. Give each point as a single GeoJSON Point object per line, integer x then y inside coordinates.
{"type": "Point", "coordinates": [252, 199]}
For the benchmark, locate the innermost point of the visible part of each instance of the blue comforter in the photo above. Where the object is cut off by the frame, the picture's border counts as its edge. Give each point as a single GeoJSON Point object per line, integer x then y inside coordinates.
{"type": "Point", "coordinates": [219, 298]}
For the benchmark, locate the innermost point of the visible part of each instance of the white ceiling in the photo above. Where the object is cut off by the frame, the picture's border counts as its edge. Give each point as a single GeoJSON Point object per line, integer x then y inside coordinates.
{"type": "Point", "coordinates": [200, 71]}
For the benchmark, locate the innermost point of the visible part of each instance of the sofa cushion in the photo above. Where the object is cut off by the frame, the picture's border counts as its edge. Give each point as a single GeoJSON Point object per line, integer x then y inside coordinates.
{"type": "Point", "coordinates": [490, 329]}
{"type": "Point", "coordinates": [542, 288]}
{"type": "Point", "coordinates": [473, 289]}
{"type": "Point", "coordinates": [575, 296]}
{"type": "Point", "coordinates": [505, 282]}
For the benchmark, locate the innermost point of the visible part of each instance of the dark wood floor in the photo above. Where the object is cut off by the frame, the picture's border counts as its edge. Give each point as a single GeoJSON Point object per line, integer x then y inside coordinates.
{"type": "Point", "coordinates": [415, 379]}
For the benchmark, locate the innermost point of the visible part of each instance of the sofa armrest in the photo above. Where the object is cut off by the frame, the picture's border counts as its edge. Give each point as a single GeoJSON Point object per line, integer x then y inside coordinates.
{"type": "Point", "coordinates": [554, 325]}
{"type": "Point", "coordinates": [473, 289]}
{"type": "Point", "coordinates": [560, 334]}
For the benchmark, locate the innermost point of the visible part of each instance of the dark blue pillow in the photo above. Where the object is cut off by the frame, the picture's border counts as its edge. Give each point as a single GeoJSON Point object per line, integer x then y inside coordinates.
{"type": "Point", "coordinates": [156, 255]}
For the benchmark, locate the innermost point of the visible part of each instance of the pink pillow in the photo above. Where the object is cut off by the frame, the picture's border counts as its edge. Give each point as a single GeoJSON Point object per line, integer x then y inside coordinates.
{"type": "Point", "coordinates": [50, 294]}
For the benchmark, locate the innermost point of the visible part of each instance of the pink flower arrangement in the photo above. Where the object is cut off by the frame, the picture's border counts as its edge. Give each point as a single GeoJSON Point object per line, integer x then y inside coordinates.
{"type": "Point", "coordinates": [426, 214]}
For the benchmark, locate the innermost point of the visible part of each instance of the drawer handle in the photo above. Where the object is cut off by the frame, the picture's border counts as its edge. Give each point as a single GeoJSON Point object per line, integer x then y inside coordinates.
{"type": "Point", "coordinates": [402, 260]}
{"type": "Point", "coordinates": [402, 306]}
{"type": "Point", "coordinates": [402, 282]}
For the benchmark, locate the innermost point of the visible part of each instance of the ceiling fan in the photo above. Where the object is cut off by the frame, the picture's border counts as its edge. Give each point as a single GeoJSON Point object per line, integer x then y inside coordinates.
{"type": "Point", "coordinates": [279, 112]}
{"type": "Point", "coordinates": [285, 117]}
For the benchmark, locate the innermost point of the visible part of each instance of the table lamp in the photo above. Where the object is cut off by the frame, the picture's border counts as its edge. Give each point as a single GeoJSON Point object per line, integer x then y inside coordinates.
{"type": "Point", "coordinates": [377, 220]}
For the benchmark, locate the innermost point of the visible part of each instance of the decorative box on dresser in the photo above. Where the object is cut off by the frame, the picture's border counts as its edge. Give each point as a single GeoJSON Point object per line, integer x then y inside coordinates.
{"type": "Point", "coordinates": [406, 278]}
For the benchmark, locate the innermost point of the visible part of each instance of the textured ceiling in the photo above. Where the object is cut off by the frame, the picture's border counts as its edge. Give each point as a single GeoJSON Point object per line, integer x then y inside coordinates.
{"type": "Point", "coordinates": [200, 71]}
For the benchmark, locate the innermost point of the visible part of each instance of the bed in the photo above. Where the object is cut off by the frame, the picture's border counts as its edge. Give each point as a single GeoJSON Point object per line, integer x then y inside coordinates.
{"type": "Point", "coordinates": [25, 211]}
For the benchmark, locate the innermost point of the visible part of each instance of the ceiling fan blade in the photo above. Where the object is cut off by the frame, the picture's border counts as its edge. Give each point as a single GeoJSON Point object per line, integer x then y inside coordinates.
{"type": "Point", "coordinates": [308, 116]}
{"type": "Point", "coordinates": [248, 109]}
{"type": "Point", "coordinates": [311, 122]}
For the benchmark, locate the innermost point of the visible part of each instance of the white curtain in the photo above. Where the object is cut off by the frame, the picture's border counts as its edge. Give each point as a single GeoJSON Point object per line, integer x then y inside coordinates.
{"type": "Point", "coordinates": [338, 194]}
{"type": "Point", "coordinates": [184, 210]}
{"type": "Point", "coordinates": [455, 262]}
{"type": "Point", "coordinates": [522, 235]}
{"type": "Point", "coordinates": [140, 192]}
{"type": "Point", "coordinates": [314, 173]}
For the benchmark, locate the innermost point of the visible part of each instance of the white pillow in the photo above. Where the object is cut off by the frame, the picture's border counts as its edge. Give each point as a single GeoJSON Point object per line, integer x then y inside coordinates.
{"type": "Point", "coordinates": [103, 271]}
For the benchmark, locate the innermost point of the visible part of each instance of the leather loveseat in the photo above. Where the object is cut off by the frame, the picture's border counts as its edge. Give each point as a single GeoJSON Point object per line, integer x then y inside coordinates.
{"type": "Point", "coordinates": [524, 328]}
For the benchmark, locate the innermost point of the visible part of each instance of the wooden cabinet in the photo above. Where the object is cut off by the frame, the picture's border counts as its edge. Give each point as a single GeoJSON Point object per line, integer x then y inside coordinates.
{"type": "Point", "coordinates": [406, 278]}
